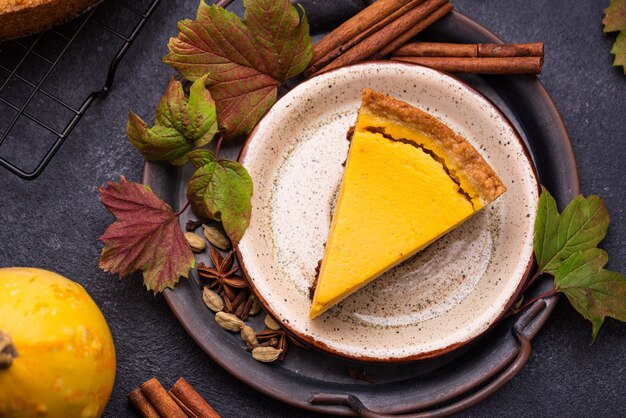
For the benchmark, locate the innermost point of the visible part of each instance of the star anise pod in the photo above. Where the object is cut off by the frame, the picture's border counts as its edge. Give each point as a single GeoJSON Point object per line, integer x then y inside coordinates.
{"type": "Point", "coordinates": [221, 277]}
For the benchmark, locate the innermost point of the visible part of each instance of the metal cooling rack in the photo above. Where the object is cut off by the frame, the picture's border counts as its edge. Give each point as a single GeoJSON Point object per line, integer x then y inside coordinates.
{"type": "Point", "coordinates": [22, 93]}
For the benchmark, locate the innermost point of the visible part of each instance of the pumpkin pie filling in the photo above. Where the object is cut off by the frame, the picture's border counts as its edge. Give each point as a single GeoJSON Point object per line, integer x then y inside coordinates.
{"type": "Point", "coordinates": [408, 180]}
{"type": "Point", "coordinates": [463, 187]}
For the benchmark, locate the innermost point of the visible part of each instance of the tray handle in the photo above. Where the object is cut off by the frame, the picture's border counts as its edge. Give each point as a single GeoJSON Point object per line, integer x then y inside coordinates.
{"type": "Point", "coordinates": [496, 384]}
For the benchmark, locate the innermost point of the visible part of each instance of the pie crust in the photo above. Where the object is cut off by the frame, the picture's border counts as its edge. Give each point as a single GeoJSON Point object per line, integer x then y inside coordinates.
{"type": "Point", "coordinates": [464, 156]}
{"type": "Point", "coordinates": [19, 18]}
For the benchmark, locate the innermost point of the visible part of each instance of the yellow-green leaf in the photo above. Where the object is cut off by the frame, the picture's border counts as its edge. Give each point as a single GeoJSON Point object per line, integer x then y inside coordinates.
{"type": "Point", "coordinates": [619, 50]}
{"type": "Point", "coordinates": [222, 190]}
{"type": "Point", "coordinates": [593, 291]}
{"type": "Point", "coordinates": [201, 157]}
{"type": "Point", "coordinates": [181, 124]}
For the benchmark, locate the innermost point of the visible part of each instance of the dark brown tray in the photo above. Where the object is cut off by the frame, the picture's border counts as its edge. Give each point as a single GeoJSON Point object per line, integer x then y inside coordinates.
{"type": "Point", "coordinates": [439, 387]}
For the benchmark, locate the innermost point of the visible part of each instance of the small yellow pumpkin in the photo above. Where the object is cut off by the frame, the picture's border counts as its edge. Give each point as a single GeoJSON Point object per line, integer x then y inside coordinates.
{"type": "Point", "coordinates": [57, 357]}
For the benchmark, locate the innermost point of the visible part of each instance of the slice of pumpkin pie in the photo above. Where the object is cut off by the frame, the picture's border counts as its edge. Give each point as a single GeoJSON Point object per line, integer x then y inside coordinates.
{"type": "Point", "coordinates": [409, 179]}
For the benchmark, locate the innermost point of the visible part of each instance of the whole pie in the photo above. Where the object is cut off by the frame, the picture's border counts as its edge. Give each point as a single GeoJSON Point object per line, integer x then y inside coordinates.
{"type": "Point", "coordinates": [22, 17]}
{"type": "Point", "coordinates": [409, 179]}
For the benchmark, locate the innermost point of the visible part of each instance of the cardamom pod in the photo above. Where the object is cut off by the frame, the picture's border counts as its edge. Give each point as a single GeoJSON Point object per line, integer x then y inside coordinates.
{"type": "Point", "coordinates": [229, 321]}
{"type": "Point", "coordinates": [248, 336]}
{"type": "Point", "coordinates": [212, 300]}
{"type": "Point", "coordinates": [256, 306]}
{"type": "Point", "coordinates": [195, 241]}
{"type": "Point", "coordinates": [216, 237]}
{"type": "Point", "coordinates": [266, 354]}
{"type": "Point", "coordinates": [271, 323]}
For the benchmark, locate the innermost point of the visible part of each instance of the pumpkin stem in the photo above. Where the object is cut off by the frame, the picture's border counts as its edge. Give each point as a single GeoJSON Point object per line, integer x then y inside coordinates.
{"type": "Point", "coordinates": [7, 351]}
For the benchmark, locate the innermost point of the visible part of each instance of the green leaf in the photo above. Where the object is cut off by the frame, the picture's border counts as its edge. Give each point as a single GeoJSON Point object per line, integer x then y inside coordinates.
{"type": "Point", "coordinates": [245, 61]}
{"type": "Point", "coordinates": [201, 157]}
{"type": "Point", "coordinates": [159, 143]}
{"type": "Point", "coordinates": [615, 20]}
{"type": "Point", "coordinates": [582, 225]}
{"type": "Point", "coordinates": [222, 190]}
{"type": "Point", "coordinates": [181, 124]}
{"type": "Point", "coordinates": [619, 50]}
{"type": "Point", "coordinates": [593, 291]}
{"type": "Point", "coordinates": [546, 228]}
{"type": "Point", "coordinates": [201, 121]}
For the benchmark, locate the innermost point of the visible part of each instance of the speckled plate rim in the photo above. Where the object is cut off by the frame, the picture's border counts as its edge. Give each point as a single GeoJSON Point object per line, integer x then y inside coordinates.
{"type": "Point", "coordinates": [313, 342]}
{"type": "Point", "coordinates": [565, 182]}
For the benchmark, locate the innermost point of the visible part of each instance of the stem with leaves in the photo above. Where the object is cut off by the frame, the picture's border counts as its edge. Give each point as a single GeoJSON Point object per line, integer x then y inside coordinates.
{"type": "Point", "coordinates": [531, 281]}
{"type": "Point", "coordinates": [544, 295]}
{"type": "Point", "coordinates": [565, 247]}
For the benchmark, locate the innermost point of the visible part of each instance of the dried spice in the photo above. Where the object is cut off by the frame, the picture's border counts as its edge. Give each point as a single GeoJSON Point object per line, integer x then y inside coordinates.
{"type": "Point", "coordinates": [271, 323]}
{"type": "Point", "coordinates": [239, 300]}
{"type": "Point", "coordinates": [249, 336]}
{"type": "Point", "coordinates": [212, 300]}
{"type": "Point", "coordinates": [216, 237]}
{"type": "Point", "coordinates": [255, 308]}
{"type": "Point", "coordinates": [227, 294]}
{"type": "Point", "coordinates": [191, 225]}
{"type": "Point", "coordinates": [196, 243]}
{"type": "Point", "coordinates": [246, 307]}
{"type": "Point", "coordinates": [222, 277]}
{"type": "Point", "coordinates": [278, 339]}
{"type": "Point", "coordinates": [228, 306]}
{"type": "Point", "coordinates": [152, 401]}
{"type": "Point", "coordinates": [229, 322]}
{"type": "Point", "coordinates": [266, 354]}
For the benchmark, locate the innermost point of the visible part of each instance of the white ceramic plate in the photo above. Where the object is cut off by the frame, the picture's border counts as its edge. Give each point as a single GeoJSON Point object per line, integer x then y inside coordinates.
{"type": "Point", "coordinates": [442, 298]}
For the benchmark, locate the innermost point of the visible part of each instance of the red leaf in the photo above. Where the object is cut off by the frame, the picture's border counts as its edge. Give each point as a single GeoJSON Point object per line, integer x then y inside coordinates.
{"type": "Point", "coordinates": [615, 16]}
{"type": "Point", "coordinates": [244, 61]}
{"type": "Point", "coordinates": [146, 236]}
{"type": "Point", "coordinates": [615, 20]}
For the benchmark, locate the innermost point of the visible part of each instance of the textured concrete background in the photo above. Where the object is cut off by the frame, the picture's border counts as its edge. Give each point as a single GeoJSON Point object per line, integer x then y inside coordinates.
{"type": "Point", "coordinates": [54, 222]}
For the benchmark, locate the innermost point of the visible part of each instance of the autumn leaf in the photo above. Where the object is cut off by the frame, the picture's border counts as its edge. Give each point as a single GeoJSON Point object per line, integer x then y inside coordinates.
{"type": "Point", "coordinates": [145, 236]}
{"type": "Point", "coordinates": [181, 124]}
{"type": "Point", "coordinates": [614, 21]}
{"type": "Point", "coordinates": [222, 190]}
{"type": "Point", "coordinates": [582, 225]}
{"type": "Point", "coordinates": [565, 246]}
{"type": "Point", "coordinates": [593, 291]}
{"type": "Point", "coordinates": [201, 157]}
{"type": "Point", "coordinates": [245, 61]}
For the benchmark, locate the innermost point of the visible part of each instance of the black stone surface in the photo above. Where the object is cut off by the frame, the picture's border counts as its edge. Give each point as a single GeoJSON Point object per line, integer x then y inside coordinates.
{"type": "Point", "coordinates": [54, 221]}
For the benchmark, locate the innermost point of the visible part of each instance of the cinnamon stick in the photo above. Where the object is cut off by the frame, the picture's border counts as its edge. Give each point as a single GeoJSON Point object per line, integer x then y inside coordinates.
{"type": "Point", "coordinates": [434, 49]}
{"type": "Point", "coordinates": [411, 32]}
{"type": "Point", "coordinates": [190, 401]}
{"type": "Point", "coordinates": [354, 30]}
{"type": "Point", "coordinates": [143, 405]}
{"type": "Point", "coordinates": [514, 50]}
{"type": "Point", "coordinates": [488, 65]}
{"type": "Point", "coordinates": [379, 40]}
{"type": "Point", "coordinates": [161, 400]}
